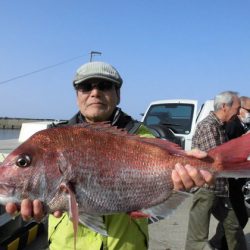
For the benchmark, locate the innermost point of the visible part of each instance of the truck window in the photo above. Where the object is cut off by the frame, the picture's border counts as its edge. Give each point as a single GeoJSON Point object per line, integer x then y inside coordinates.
{"type": "Point", "coordinates": [178, 117]}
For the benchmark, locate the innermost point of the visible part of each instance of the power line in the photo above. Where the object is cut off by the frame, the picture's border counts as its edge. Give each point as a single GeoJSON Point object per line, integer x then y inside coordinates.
{"type": "Point", "coordinates": [41, 69]}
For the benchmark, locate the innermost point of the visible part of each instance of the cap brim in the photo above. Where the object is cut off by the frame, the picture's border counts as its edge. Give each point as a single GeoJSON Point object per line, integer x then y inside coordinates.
{"type": "Point", "coordinates": [76, 82]}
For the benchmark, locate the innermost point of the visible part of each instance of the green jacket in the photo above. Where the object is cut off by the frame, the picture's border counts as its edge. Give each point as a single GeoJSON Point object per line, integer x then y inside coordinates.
{"type": "Point", "coordinates": [124, 232]}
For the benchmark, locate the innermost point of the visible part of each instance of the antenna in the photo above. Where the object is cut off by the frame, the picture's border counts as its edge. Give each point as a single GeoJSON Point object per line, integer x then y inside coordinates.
{"type": "Point", "coordinates": [94, 53]}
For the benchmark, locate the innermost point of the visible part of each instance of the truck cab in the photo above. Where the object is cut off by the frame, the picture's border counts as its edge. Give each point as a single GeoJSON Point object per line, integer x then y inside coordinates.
{"type": "Point", "coordinates": [177, 117]}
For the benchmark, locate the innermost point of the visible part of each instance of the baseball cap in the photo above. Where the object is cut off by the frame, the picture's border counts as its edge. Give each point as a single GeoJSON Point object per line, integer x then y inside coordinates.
{"type": "Point", "coordinates": [98, 70]}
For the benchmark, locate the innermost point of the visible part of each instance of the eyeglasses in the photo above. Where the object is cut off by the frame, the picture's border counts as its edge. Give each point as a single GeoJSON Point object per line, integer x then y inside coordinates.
{"type": "Point", "coordinates": [248, 110]}
{"type": "Point", "coordinates": [89, 86]}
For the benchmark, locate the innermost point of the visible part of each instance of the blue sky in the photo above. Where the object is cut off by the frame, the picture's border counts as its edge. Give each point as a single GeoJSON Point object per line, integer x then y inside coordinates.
{"type": "Point", "coordinates": [163, 49]}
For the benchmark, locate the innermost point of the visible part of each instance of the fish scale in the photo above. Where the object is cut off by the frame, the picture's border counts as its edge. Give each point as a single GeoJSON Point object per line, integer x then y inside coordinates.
{"type": "Point", "coordinates": [105, 171]}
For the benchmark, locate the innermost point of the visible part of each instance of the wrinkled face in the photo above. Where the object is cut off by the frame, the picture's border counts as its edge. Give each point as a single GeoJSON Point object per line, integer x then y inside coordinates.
{"type": "Point", "coordinates": [97, 99]}
{"type": "Point", "coordinates": [245, 112]}
{"type": "Point", "coordinates": [233, 110]}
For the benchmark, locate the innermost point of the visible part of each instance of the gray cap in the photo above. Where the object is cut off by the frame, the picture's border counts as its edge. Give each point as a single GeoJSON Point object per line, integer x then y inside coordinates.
{"type": "Point", "coordinates": [100, 70]}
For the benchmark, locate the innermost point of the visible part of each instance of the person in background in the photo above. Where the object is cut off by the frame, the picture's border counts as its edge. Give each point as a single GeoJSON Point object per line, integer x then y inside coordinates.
{"type": "Point", "coordinates": [241, 123]}
{"type": "Point", "coordinates": [236, 127]}
{"type": "Point", "coordinates": [209, 133]}
{"type": "Point", "coordinates": [97, 86]}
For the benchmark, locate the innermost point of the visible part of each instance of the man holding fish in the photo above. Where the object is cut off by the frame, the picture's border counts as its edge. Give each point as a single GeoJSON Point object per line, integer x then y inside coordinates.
{"type": "Point", "coordinates": [97, 86]}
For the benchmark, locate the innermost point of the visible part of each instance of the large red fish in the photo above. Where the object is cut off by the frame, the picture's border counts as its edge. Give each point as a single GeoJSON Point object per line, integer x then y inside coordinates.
{"type": "Point", "coordinates": [104, 170]}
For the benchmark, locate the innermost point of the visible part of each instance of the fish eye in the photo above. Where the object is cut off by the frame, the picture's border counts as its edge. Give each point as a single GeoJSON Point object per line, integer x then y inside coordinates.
{"type": "Point", "coordinates": [23, 161]}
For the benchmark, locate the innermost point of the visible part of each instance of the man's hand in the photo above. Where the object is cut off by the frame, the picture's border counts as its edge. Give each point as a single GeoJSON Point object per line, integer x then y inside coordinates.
{"type": "Point", "coordinates": [29, 209]}
{"type": "Point", "coordinates": [186, 177]}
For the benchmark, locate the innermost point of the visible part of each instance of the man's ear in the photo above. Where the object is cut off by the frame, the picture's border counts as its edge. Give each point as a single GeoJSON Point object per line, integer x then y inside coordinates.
{"type": "Point", "coordinates": [77, 101]}
{"type": "Point", "coordinates": [118, 95]}
{"type": "Point", "coordinates": [224, 106]}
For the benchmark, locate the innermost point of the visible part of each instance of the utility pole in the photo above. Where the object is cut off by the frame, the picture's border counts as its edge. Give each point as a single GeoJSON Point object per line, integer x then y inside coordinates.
{"type": "Point", "coordinates": [94, 53]}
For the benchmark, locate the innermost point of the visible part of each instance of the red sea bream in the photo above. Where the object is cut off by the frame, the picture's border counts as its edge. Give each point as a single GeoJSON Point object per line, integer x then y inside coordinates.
{"type": "Point", "coordinates": [98, 169]}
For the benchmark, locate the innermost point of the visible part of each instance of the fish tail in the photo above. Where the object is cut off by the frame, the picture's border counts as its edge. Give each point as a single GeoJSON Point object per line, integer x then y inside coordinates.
{"type": "Point", "coordinates": [233, 155]}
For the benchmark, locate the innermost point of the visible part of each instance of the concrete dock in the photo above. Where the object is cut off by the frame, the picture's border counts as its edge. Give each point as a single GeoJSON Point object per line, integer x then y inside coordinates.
{"type": "Point", "coordinates": [6, 146]}
{"type": "Point", "coordinates": [16, 123]}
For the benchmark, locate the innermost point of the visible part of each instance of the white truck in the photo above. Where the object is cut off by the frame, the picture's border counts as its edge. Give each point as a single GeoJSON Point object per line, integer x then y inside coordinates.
{"type": "Point", "coordinates": [176, 119]}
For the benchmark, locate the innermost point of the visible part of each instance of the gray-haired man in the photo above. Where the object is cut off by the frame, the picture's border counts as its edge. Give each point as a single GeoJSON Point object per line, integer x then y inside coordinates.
{"type": "Point", "coordinates": [210, 133]}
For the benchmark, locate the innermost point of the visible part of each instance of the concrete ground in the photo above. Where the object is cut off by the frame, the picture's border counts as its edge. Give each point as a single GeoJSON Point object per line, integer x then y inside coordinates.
{"type": "Point", "coordinates": [170, 234]}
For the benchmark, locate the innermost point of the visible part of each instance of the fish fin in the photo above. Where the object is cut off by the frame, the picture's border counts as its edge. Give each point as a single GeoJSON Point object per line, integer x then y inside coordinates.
{"type": "Point", "coordinates": [94, 222]}
{"type": "Point", "coordinates": [73, 208]}
{"type": "Point", "coordinates": [102, 126]}
{"type": "Point", "coordinates": [170, 147]}
{"type": "Point", "coordinates": [166, 208]}
{"type": "Point", "coordinates": [138, 215]}
{"type": "Point", "coordinates": [232, 155]}
{"type": "Point", "coordinates": [240, 173]}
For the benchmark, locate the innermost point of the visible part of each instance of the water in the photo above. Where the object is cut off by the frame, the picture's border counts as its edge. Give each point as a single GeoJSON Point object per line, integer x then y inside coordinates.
{"type": "Point", "coordinates": [6, 134]}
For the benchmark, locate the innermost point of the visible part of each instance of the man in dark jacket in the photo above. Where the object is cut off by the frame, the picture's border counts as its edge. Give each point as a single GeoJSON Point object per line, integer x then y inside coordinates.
{"type": "Point", "coordinates": [240, 124]}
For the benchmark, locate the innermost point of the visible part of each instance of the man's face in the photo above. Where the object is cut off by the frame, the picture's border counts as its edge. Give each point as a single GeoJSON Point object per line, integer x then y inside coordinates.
{"type": "Point", "coordinates": [97, 99]}
{"type": "Point", "coordinates": [233, 110]}
{"type": "Point", "coordinates": [245, 110]}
